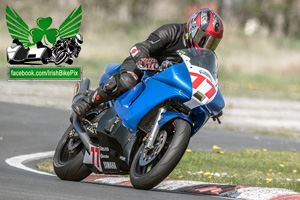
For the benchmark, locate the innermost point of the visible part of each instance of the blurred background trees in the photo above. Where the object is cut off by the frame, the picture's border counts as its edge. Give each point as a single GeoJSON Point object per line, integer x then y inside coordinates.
{"type": "Point", "coordinates": [260, 49]}
{"type": "Point", "coordinates": [280, 17]}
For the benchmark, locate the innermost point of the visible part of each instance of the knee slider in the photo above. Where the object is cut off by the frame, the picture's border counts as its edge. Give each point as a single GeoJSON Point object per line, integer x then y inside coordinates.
{"type": "Point", "coordinates": [111, 84]}
{"type": "Point", "coordinates": [128, 80]}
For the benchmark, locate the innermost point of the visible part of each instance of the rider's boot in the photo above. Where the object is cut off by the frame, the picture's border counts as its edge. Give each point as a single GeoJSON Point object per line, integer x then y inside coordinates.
{"type": "Point", "coordinates": [115, 86]}
{"type": "Point", "coordinates": [108, 91]}
{"type": "Point", "coordinates": [81, 106]}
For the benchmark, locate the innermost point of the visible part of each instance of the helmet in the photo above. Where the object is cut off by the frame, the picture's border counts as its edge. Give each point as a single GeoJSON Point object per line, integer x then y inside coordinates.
{"type": "Point", "coordinates": [79, 39]}
{"type": "Point", "coordinates": [204, 29]}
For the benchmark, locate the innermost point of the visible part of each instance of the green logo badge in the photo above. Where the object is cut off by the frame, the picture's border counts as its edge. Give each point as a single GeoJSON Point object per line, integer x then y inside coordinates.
{"type": "Point", "coordinates": [18, 29]}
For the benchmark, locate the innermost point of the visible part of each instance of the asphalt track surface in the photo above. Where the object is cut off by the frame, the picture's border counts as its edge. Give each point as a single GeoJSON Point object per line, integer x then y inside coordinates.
{"type": "Point", "coordinates": [28, 129]}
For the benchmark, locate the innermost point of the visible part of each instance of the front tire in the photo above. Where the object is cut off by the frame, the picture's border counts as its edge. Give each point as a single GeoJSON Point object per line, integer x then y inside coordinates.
{"type": "Point", "coordinates": [68, 158]}
{"type": "Point", "coordinates": [61, 57]}
{"type": "Point", "coordinates": [146, 176]}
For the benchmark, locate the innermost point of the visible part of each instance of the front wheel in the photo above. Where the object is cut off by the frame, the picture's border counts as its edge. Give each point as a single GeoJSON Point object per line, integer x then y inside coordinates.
{"type": "Point", "coordinates": [68, 158]}
{"type": "Point", "coordinates": [151, 166]}
{"type": "Point", "coordinates": [61, 57]}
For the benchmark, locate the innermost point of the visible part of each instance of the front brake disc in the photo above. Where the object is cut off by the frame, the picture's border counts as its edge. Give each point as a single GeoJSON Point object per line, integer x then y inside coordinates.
{"type": "Point", "coordinates": [149, 154]}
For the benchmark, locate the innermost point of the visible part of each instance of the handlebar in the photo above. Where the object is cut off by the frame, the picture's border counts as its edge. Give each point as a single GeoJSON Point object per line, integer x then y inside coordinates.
{"type": "Point", "coordinates": [158, 68]}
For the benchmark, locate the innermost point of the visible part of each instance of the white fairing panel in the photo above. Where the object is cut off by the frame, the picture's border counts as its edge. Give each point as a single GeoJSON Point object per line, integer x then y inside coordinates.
{"type": "Point", "coordinates": [205, 87]}
{"type": "Point", "coordinates": [93, 158]}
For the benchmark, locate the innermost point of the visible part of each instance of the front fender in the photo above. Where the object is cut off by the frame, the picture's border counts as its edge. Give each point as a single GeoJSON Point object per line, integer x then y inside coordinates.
{"type": "Point", "coordinates": [167, 116]}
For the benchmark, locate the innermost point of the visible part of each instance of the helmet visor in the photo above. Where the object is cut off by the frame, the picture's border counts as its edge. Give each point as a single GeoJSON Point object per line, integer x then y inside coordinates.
{"type": "Point", "coordinates": [206, 41]}
{"type": "Point", "coordinates": [79, 41]}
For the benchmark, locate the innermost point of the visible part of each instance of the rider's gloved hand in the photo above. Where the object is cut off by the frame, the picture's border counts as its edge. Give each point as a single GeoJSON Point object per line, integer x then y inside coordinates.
{"type": "Point", "coordinates": [148, 64]}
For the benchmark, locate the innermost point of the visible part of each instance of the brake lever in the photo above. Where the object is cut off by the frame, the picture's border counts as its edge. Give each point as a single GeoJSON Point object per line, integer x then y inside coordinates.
{"type": "Point", "coordinates": [218, 119]}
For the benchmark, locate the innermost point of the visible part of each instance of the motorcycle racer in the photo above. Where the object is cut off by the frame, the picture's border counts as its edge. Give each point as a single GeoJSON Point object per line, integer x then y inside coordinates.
{"type": "Point", "coordinates": [73, 45]}
{"type": "Point", "coordinates": [204, 29]}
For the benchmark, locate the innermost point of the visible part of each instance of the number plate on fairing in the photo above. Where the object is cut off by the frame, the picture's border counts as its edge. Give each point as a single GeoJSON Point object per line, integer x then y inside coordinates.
{"type": "Point", "coordinates": [93, 158]}
{"type": "Point", "coordinates": [205, 87]}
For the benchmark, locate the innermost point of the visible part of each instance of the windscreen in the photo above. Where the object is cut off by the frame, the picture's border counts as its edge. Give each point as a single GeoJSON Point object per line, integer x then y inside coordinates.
{"type": "Point", "coordinates": [202, 58]}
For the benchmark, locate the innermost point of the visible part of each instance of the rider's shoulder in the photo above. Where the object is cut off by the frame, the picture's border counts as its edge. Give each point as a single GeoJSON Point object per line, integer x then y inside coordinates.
{"type": "Point", "coordinates": [170, 31]}
{"type": "Point", "coordinates": [173, 26]}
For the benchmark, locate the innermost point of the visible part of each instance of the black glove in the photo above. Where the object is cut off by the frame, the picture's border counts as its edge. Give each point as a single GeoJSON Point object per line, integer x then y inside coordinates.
{"type": "Point", "coordinates": [148, 64]}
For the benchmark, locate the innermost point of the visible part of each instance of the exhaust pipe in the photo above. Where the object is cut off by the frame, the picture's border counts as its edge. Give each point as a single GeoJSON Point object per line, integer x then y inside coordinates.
{"type": "Point", "coordinates": [86, 140]}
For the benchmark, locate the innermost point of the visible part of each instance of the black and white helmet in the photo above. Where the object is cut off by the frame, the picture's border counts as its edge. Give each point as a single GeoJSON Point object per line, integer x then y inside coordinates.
{"type": "Point", "coordinates": [79, 39]}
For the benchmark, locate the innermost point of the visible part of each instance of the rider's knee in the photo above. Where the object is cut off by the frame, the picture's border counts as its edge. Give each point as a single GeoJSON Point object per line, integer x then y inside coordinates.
{"type": "Point", "coordinates": [128, 80]}
{"type": "Point", "coordinates": [111, 85]}
{"type": "Point", "coordinates": [118, 84]}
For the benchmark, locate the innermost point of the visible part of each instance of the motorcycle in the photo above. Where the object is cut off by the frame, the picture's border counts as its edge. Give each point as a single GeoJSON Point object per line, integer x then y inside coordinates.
{"type": "Point", "coordinates": [145, 131]}
{"type": "Point", "coordinates": [62, 54]}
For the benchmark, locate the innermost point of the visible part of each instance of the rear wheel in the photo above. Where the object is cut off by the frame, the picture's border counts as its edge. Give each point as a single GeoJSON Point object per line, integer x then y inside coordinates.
{"type": "Point", "coordinates": [68, 158]}
{"type": "Point", "coordinates": [151, 166]}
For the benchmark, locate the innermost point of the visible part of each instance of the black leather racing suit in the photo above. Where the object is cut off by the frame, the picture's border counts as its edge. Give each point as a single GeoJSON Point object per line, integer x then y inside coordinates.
{"type": "Point", "coordinates": [65, 44]}
{"type": "Point", "coordinates": [162, 45]}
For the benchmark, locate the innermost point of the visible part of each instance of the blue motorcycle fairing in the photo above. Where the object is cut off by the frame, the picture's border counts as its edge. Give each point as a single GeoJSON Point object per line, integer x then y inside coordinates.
{"type": "Point", "coordinates": [203, 113]}
{"type": "Point", "coordinates": [132, 108]}
{"type": "Point", "coordinates": [167, 116]}
{"type": "Point", "coordinates": [200, 117]}
{"type": "Point", "coordinates": [177, 76]}
{"type": "Point", "coordinates": [216, 105]}
{"type": "Point", "coordinates": [174, 83]}
{"type": "Point", "coordinates": [132, 94]}
{"type": "Point", "coordinates": [109, 70]}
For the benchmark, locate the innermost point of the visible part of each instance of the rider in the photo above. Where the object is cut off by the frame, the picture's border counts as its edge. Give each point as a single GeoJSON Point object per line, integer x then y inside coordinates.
{"type": "Point", "coordinates": [203, 30]}
{"type": "Point", "coordinates": [74, 45]}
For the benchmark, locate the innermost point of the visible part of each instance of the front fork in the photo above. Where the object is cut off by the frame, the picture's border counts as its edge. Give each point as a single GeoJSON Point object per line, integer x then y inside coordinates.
{"type": "Point", "coordinates": [155, 129]}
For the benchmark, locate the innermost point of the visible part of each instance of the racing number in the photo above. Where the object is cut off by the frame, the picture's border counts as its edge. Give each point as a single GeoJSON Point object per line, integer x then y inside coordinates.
{"type": "Point", "coordinates": [201, 79]}
{"type": "Point", "coordinates": [95, 150]}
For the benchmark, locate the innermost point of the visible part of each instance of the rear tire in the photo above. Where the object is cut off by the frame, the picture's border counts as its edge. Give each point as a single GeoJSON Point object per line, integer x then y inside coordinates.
{"type": "Point", "coordinates": [68, 164]}
{"type": "Point", "coordinates": [150, 175]}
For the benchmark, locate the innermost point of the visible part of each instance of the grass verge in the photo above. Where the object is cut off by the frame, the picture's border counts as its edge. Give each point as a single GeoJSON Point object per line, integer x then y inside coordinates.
{"type": "Point", "coordinates": [259, 84]}
{"type": "Point", "coordinates": [46, 165]}
{"type": "Point", "coordinates": [281, 132]}
{"type": "Point", "coordinates": [249, 167]}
